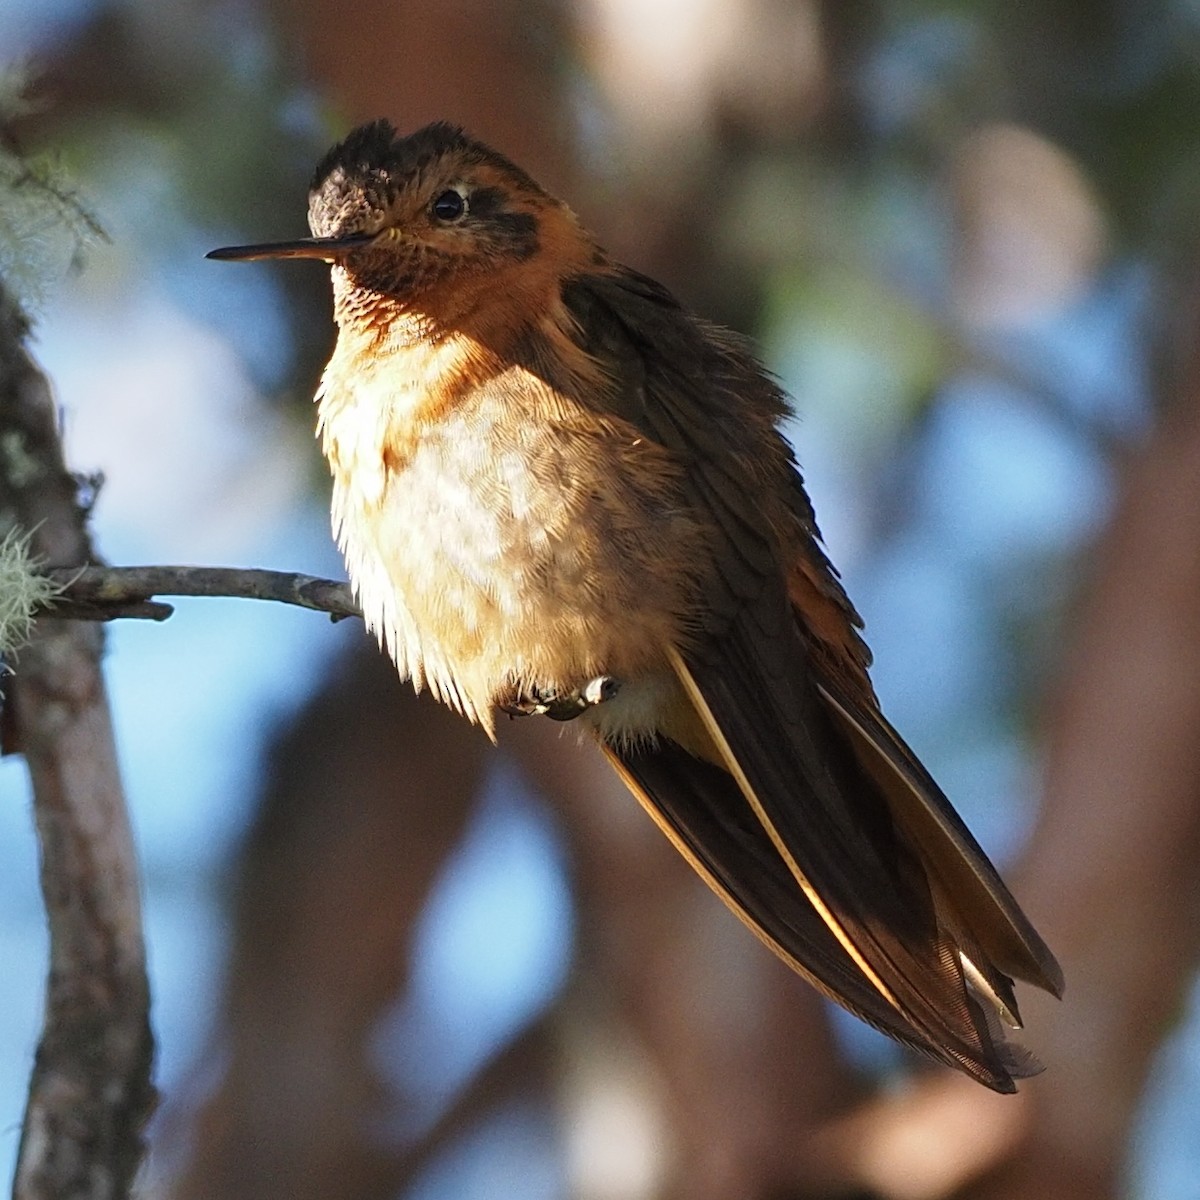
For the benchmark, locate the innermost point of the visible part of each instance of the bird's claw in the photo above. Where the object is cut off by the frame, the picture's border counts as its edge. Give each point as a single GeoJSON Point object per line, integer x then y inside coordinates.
{"type": "Point", "coordinates": [562, 706]}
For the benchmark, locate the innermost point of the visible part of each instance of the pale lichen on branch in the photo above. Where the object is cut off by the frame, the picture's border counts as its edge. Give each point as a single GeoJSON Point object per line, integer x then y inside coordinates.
{"type": "Point", "coordinates": [24, 590]}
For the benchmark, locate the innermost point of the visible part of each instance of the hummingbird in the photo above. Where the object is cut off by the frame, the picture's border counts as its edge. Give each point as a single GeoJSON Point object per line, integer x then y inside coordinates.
{"type": "Point", "coordinates": [559, 492]}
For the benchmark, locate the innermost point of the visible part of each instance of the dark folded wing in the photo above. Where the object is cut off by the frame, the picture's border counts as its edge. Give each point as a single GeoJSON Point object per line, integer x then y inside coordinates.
{"type": "Point", "coordinates": [851, 876]}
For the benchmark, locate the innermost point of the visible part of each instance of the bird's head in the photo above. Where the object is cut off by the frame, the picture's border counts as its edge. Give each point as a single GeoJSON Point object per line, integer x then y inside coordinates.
{"type": "Point", "coordinates": [434, 218]}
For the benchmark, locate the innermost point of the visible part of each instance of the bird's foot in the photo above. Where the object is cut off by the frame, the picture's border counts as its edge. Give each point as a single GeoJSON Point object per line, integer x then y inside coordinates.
{"type": "Point", "coordinates": [561, 706]}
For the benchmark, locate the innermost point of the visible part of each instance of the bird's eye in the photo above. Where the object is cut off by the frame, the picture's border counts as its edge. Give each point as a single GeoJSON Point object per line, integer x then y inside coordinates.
{"type": "Point", "coordinates": [449, 206]}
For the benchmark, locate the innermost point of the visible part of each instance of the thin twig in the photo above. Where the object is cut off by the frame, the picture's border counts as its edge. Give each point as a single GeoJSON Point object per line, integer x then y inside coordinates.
{"type": "Point", "coordinates": [90, 1092]}
{"type": "Point", "coordinates": [104, 593]}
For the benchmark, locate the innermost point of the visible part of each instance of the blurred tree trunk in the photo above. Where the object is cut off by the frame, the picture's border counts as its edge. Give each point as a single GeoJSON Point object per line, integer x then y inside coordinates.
{"type": "Point", "coordinates": [1109, 877]}
{"type": "Point", "coordinates": [1111, 873]}
{"type": "Point", "coordinates": [368, 793]}
{"type": "Point", "coordinates": [90, 1094]}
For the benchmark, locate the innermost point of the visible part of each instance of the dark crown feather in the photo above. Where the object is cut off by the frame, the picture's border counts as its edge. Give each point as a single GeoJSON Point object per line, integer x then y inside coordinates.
{"type": "Point", "coordinates": [376, 148]}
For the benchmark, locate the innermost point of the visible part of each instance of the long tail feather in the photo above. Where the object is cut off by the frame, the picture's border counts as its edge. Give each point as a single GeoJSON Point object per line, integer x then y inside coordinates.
{"type": "Point", "coordinates": [985, 904]}
{"type": "Point", "coordinates": [701, 809]}
{"type": "Point", "coordinates": [853, 868]}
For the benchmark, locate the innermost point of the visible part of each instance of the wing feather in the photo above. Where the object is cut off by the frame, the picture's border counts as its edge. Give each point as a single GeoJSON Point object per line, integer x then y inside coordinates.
{"type": "Point", "coordinates": [822, 831]}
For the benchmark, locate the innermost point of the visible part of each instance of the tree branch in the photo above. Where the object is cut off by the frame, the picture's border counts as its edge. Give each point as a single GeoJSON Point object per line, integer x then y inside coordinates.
{"type": "Point", "coordinates": [90, 1092]}
{"type": "Point", "coordinates": [104, 593]}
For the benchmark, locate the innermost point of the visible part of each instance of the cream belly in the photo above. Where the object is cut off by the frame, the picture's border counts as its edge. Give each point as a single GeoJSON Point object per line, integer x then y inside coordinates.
{"type": "Point", "coordinates": [499, 555]}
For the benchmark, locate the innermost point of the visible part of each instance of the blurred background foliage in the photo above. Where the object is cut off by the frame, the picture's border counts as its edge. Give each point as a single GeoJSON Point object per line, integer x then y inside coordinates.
{"type": "Point", "coordinates": [388, 962]}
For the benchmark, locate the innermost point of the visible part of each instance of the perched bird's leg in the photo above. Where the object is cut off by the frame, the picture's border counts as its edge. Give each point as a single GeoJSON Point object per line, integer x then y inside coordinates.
{"type": "Point", "coordinates": [561, 706]}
